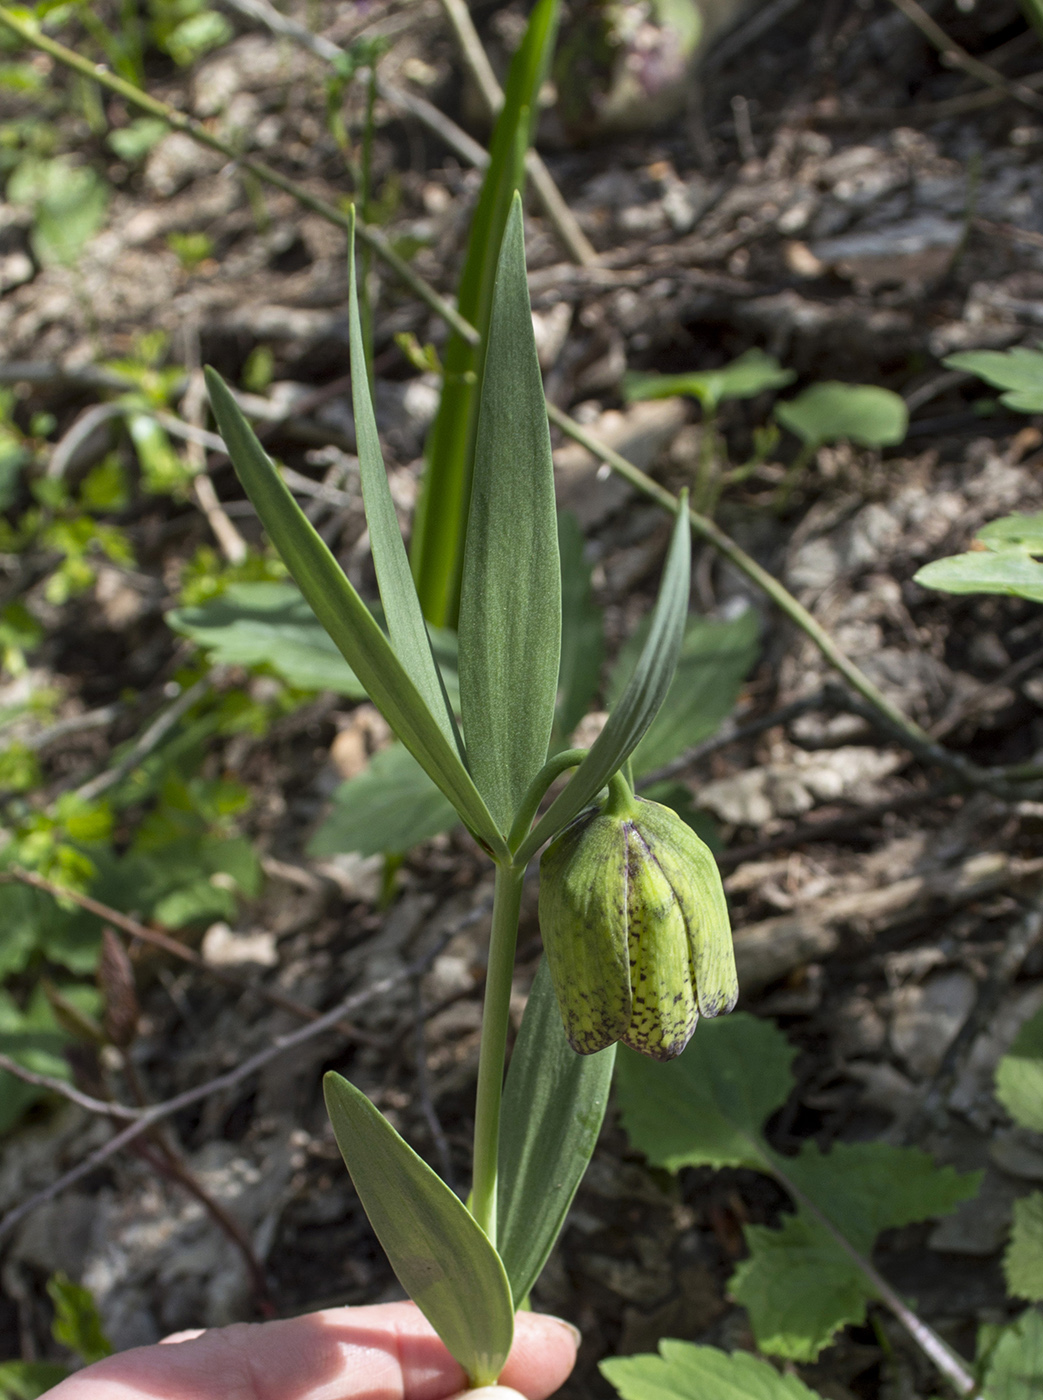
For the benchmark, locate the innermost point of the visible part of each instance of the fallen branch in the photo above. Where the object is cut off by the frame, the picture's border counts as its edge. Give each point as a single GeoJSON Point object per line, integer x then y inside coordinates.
{"type": "Point", "coordinates": [771, 948]}
{"type": "Point", "coordinates": [68, 1091]}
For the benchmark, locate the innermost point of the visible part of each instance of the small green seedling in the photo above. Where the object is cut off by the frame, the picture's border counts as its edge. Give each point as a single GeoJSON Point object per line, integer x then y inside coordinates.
{"type": "Point", "coordinates": [832, 412]}
{"type": "Point", "coordinates": [864, 414]}
{"type": "Point", "coordinates": [190, 249]}
{"type": "Point", "coordinates": [68, 203]}
{"type": "Point", "coordinates": [490, 755]}
{"type": "Point", "coordinates": [751, 374]}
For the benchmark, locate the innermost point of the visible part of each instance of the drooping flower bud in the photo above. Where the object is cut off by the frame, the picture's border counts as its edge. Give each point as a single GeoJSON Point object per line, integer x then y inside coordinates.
{"type": "Point", "coordinates": [635, 927]}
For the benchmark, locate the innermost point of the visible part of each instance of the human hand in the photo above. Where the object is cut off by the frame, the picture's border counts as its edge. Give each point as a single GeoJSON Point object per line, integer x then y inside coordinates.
{"type": "Point", "coordinates": [385, 1352]}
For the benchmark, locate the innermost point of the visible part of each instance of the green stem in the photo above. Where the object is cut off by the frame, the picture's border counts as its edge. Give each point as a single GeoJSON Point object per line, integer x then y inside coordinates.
{"type": "Point", "coordinates": [706, 466]}
{"type": "Point", "coordinates": [621, 802]}
{"type": "Point", "coordinates": [793, 474]}
{"type": "Point", "coordinates": [553, 768]}
{"type": "Point", "coordinates": [495, 1017]}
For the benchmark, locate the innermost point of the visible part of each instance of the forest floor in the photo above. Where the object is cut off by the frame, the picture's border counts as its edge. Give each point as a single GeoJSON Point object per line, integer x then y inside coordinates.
{"type": "Point", "coordinates": [835, 196]}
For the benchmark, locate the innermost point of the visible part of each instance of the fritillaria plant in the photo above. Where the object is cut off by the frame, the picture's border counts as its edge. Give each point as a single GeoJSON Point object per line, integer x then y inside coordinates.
{"type": "Point", "coordinates": [632, 907]}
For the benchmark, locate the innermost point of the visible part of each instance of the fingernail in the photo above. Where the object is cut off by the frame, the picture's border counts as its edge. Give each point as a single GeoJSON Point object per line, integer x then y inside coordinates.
{"type": "Point", "coordinates": [574, 1332]}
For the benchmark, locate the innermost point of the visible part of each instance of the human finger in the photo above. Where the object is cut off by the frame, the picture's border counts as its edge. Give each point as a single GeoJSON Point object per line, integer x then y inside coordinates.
{"type": "Point", "coordinates": [385, 1352]}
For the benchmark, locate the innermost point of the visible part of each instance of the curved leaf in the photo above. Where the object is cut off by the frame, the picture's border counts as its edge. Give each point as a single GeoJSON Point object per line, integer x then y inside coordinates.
{"type": "Point", "coordinates": [639, 703]}
{"type": "Point", "coordinates": [438, 1252]}
{"type": "Point", "coordinates": [1010, 571]}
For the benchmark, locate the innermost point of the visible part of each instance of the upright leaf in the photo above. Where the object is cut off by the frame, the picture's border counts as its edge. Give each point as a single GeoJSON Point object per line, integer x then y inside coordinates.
{"type": "Point", "coordinates": [582, 630]}
{"type": "Point", "coordinates": [553, 1106]}
{"type": "Point", "coordinates": [398, 593]}
{"type": "Point", "coordinates": [683, 1371]}
{"type": "Point", "coordinates": [438, 1252]}
{"type": "Point", "coordinates": [346, 617]}
{"type": "Point", "coordinates": [445, 497]}
{"type": "Point", "coordinates": [510, 606]}
{"type": "Point", "coordinates": [640, 701]}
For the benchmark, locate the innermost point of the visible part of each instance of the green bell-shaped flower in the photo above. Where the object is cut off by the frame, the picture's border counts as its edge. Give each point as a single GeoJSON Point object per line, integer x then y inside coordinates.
{"type": "Point", "coordinates": [635, 928]}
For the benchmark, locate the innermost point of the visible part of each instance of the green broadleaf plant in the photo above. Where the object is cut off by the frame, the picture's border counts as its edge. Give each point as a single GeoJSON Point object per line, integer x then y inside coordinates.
{"type": "Point", "coordinates": [390, 807]}
{"type": "Point", "coordinates": [683, 1371]}
{"type": "Point", "coordinates": [708, 1108]}
{"type": "Point", "coordinates": [1005, 561]}
{"type": "Point", "coordinates": [469, 1267]}
{"type": "Point", "coordinates": [751, 374]}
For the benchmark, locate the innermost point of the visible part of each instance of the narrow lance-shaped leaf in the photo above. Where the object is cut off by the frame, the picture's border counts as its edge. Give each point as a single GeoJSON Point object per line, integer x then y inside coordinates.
{"type": "Point", "coordinates": [442, 510]}
{"type": "Point", "coordinates": [640, 702]}
{"type": "Point", "coordinates": [553, 1106]}
{"type": "Point", "coordinates": [398, 593]}
{"type": "Point", "coordinates": [439, 1253]}
{"type": "Point", "coordinates": [346, 617]}
{"type": "Point", "coordinates": [510, 608]}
